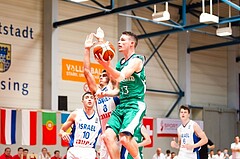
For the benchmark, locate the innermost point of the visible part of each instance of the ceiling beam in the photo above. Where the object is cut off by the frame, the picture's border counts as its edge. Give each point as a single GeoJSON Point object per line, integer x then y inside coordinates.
{"type": "Point", "coordinates": [232, 4]}
{"type": "Point", "coordinates": [199, 4]}
{"type": "Point", "coordinates": [189, 50]}
{"type": "Point", "coordinates": [189, 27]}
{"type": "Point", "coordinates": [107, 12]}
{"type": "Point", "coordinates": [99, 4]}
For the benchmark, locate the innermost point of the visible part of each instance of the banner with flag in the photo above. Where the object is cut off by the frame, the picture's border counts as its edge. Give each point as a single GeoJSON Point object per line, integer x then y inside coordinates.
{"type": "Point", "coordinates": [49, 130]}
{"type": "Point", "coordinates": [148, 123]}
{"type": "Point", "coordinates": [8, 126]}
{"type": "Point", "coordinates": [29, 127]}
{"type": "Point", "coordinates": [167, 127]}
{"type": "Point", "coordinates": [64, 117]}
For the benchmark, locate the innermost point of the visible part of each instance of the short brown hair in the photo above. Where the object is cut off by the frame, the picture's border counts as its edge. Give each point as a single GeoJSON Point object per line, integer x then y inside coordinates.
{"type": "Point", "coordinates": [134, 36]}
{"type": "Point", "coordinates": [85, 94]}
{"type": "Point", "coordinates": [185, 107]}
{"type": "Point", "coordinates": [7, 148]}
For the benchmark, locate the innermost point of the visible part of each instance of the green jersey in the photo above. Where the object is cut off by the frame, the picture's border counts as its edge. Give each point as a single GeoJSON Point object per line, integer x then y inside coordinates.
{"type": "Point", "coordinates": [133, 87]}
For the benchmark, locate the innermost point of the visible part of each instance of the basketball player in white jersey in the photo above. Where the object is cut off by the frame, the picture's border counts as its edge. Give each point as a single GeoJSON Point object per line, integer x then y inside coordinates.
{"type": "Point", "coordinates": [190, 136]}
{"type": "Point", "coordinates": [106, 90]}
{"type": "Point", "coordinates": [87, 130]}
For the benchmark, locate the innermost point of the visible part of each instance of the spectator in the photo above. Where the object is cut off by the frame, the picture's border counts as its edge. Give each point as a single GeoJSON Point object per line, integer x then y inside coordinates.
{"type": "Point", "coordinates": [32, 156]}
{"type": "Point", "coordinates": [6, 154]}
{"type": "Point", "coordinates": [219, 154]}
{"type": "Point", "coordinates": [25, 154]}
{"type": "Point", "coordinates": [19, 154]}
{"type": "Point", "coordinates": [168, 154]}
{"type": "Point", "coordinates": [173, 155]}
{"type": "Point", "coordinates": [44, 154]}
{"type": "Point", "coordinates": [211, 154]}
{"type": "Point", "coordinates": [225, 154]}
{"type": "Point", "coordinates": [158, 154]}
{"type": "Point", "coordinates": [235, 147]}
{"type": "Point", "coordinates": [56, 155]}
{"type": "Point", "coordinates": [203, 152]}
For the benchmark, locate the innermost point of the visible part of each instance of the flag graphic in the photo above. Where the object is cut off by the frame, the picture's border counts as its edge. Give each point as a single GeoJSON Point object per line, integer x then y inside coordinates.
{"type": "Point", "coordinates": [8, 126]}
{"type": "Point", "coordinates": [49, 132]}
{"type": "Point", "coordinates": [29, 127]}
{"type": "Point", "coordinates": [64, 117]}
{"type": "Point", "coordinates": [148, 123]}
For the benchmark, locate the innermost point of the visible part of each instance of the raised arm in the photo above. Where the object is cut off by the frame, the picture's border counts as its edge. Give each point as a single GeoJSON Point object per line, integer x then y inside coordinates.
{"type": "Point", "coordinates": [86, 64]}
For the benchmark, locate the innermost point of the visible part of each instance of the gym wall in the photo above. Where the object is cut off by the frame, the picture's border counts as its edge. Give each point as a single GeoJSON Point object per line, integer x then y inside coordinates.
{"type": "Point", "coordinates": [21, 31]}
{"type": "Point", "coordinates": [21, 26]}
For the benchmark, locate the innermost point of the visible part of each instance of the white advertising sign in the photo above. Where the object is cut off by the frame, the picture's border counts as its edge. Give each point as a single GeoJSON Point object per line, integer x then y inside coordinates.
{"type": "Point", "coordinates": [168, 127]}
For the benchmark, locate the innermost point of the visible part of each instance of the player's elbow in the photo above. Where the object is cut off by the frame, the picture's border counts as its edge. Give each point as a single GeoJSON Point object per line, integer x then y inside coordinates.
{"type": "Point", "coordinates": [204, 140]}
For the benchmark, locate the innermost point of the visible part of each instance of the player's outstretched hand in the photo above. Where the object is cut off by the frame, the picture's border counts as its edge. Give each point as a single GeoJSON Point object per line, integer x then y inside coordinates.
{"type": "Point", "coordinates": [101, 61]}
{"type": "Point", "coordinates": [99, 34]}
{"type": "Point", "coordinates": [89, 41]}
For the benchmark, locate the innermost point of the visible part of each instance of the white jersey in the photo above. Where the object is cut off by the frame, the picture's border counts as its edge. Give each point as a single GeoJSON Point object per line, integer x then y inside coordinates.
{"type": "Point", "coordinates": [105, 106]}
{"type": "Point", "coordinates": [86, 130]}
{"type": "Point", "coordinates": [188, 136]}
{"type": "Point", "coordinates": [235, 155]}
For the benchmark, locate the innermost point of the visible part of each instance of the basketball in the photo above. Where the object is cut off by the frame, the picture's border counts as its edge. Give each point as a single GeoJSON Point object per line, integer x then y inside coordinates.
{"type": "Point", "coordinates": [105, 50]}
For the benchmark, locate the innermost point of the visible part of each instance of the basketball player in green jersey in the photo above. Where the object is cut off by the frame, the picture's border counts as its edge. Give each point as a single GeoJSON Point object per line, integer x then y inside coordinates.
{"type": "Point", "coordinates": [142, 138]}
{"type": "Point", "coordinates": [128, 115]}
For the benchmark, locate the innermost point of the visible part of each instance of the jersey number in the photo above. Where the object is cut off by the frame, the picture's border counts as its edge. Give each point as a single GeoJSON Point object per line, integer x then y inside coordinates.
{"type": "Point", "coordinates": [124, 90]}
{"type": "Point", "coordinates": [86, 135]}
{"type": "Point", "coordinates": [184, 141]}
{"type": "Point", "coordinates": [105, 109]}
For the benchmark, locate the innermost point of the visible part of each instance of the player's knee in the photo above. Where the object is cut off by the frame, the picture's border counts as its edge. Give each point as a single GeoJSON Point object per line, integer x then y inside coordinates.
{"type": "Point", "coordinates": [123, 140]}
{"type": "Point", "coordinates": [108, 137]}
{"type": "Point", "coordinates": [103, 136]}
